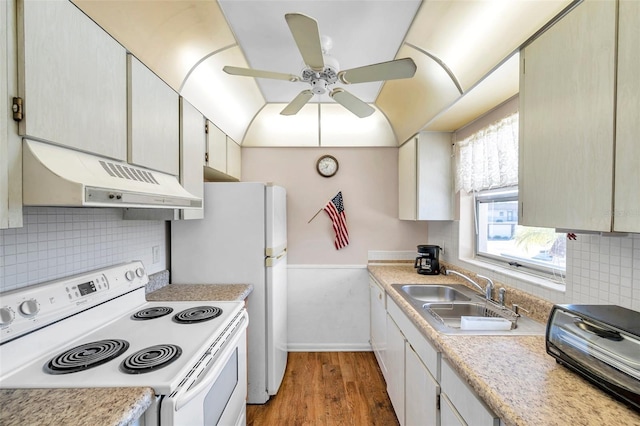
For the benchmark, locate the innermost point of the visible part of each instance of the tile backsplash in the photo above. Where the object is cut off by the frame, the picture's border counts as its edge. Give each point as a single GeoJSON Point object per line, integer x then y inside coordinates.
{"type": "Point", "coordinates": [601, 269]}
{"type": "Point", "coordinates": [57, 242]}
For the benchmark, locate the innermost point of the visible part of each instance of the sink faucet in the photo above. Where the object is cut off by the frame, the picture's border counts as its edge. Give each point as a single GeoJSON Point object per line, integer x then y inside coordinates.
{"type": "Point", "coordinates": [487, 291]}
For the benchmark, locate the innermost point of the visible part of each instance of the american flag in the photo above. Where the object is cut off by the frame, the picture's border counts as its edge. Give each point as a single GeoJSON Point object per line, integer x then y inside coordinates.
{"type": "Point", "coordinates": [335, 210]}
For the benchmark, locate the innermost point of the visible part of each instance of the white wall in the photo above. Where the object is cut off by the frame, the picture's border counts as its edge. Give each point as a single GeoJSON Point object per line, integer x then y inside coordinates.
{"type": "Point", "coordinates": [328, 288]}
{"type": "Point", "coordinates": [328, 308]}
{"type": "Point", "coordinates": [57, 242]}
{"type": "Point", "coordinates": [368, 179]}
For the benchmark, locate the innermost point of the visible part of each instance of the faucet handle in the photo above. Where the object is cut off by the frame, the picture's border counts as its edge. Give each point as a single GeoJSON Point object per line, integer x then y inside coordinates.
{"type": "Point", "coordinates": [488, 290]}
{"type": "Point", "coordinates": [518, 308]}
{"type": "Point", "coordinates": [501, 296]}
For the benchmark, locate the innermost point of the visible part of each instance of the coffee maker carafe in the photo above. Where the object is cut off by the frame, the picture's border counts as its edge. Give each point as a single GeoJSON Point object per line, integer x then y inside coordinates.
{"type": "Point", "coordinates": [427, 262]}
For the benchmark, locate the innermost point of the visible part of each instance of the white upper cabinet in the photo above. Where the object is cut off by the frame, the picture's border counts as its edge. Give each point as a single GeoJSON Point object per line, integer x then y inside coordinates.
{"type": "Point", "coordinates": [223, 156]}
{"type": "Point", "coordinates": [72, 79]}
{"type": "Point", "coordinates": [192, 145]}
{"type": "Point", "coordinates": [10, 143]}
{"type": "Point", "coordinates": [234, 159]}
{"type": "Point", "coordinates": [627, 195]}
{"type": "Point", "coordinates": [425, 181]}
{"type": "Point", "coordinates": [216, 156]}
{"type": "Point", "coordinates": [153, 114]}
{"type": "Point", "coordinates": [569, 136]}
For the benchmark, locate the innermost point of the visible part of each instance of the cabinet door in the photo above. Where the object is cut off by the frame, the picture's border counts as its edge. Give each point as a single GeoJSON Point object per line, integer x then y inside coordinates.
{"type": "Point", "coordinates": [425, 190]}
{"type": "Point", "coordinates": [421, 391]}
{"type": "Point", "coordinates": [435, 183]}
{"type": "Point", "coordinates": [10, 142]}
{"type": "Point", "coordinates": [73, 79]}
{"type": "Point", "coordinates": [395, 368]}
{"type": "Point", "coordinates": [192, 142]}
{"type": "Point", "coordinates": [567, 106]}
{"type": "Point", "coordinates": [627, 175]}
{"type": "Point", "coordinates": [470, 407]}
{"type": "Point", "coordinates": [216, 148]}
{"type": "Point", "coordinates": [378, 324]}
{"type": "Point", "coordinates": [234, 159]}
{"type": "Point", "coordinates": [154, 119]}
{"type": "Point", "coordinates": [407, 180]}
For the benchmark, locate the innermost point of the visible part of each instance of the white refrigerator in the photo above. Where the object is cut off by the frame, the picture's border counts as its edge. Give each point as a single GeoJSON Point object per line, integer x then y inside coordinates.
{"type": "Point", "coordinates": [243, 240]}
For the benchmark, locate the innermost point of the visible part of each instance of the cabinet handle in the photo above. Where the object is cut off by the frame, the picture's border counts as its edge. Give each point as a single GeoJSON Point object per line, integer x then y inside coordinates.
{"type": "Point", "coordinates": [17, 109]}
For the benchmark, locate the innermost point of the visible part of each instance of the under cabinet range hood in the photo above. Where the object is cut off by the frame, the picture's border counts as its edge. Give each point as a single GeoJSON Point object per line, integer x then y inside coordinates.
{"type": "Point", "coordinates": [57, 176]}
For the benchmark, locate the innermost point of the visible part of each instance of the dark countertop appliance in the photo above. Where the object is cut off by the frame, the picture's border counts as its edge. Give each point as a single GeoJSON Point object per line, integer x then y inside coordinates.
{"type": "Point", "coordinates": [427, 262]}
{"type": "Point", "coordinates": [601, 343]}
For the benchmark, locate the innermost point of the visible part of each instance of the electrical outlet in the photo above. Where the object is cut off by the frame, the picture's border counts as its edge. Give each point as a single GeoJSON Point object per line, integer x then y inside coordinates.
{"type": "Point", "coordinates": [155, 254]}
{"type": "Point", "coordinates": [442, 247]}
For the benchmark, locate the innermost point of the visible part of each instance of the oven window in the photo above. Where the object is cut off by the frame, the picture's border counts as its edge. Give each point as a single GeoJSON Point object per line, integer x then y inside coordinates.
{"type": "Point", "coordinates": [221, 391]}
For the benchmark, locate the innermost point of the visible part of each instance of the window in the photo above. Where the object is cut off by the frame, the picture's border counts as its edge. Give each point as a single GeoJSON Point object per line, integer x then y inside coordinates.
{"type": "Point", "coordinates": [487, 168]}
{"type": "Point", "coordinates": [500, 238]}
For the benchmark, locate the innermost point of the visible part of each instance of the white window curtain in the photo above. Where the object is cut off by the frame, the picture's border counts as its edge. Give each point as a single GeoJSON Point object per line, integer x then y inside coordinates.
{"type": "Point", "coordinates": [489, 158]}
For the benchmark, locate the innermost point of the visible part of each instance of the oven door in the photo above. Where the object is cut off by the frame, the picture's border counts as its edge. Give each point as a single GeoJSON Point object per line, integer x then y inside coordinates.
{"type": "Point", "coordinates": [218, 395]}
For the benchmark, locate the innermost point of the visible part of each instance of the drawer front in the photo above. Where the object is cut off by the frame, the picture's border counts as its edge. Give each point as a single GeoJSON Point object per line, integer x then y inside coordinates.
{"type": "Point", "coordinates": [469, 406]}
{"type": "Point", "coordinates": [420, 344]}
{"type": "Point", "coordinates": [448, 414]}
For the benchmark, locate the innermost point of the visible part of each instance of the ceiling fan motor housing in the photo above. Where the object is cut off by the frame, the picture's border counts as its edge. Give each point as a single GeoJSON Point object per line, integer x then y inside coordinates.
{"type": "Point", "coordinates": [320, 80]}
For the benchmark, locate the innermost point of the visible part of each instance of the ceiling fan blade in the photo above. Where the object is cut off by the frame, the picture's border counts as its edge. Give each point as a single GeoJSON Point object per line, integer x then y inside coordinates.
{"type": "Point", "coordinates": [248, 72]}
{"type": "Point", "coordinates": [297, 103]}
{"type": "Point", "coordinates": [392, 70]}
{"type": "Point", "coordinates": [307, 36]}
{"type": "Point", "coordinates": [350, 102]}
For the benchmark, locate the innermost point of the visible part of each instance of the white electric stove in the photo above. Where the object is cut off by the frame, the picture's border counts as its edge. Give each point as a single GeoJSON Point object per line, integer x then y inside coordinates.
{"type": "Point", "coordinates": [97, 330]}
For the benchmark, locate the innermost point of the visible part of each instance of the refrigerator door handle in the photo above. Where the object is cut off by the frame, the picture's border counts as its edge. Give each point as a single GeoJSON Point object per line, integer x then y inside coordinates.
{"type": "Point", "coordinates": [270, 261]}
{"type": "Point", "coordinates": [272, 251]}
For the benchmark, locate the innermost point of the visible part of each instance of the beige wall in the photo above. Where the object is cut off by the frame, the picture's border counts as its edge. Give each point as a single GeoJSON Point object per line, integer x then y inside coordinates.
{"type": "Point", "coordinates": [368, 179]}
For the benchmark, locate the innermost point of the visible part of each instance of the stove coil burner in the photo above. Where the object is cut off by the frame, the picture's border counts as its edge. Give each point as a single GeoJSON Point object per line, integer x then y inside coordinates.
{"type": "Point", "coordinates": [197, 314]}
{"type": "Point", "coordinates": [151, 358]}
{"type": "Point", "coordinates": [86, 356]}
{"type": "Point", "coordinates": [152, 313]}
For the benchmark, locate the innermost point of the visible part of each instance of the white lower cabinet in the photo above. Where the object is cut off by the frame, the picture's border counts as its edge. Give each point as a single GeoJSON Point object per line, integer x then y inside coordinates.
{"type": "Point", "coordinates": [421, 391]}
{"type": "Point", "coordinates": [378, 323]}
{"type": "Point", "coordinates": [412, 370]}
{"type": "Point", "coordinates": [422, 386]}
{"type": "Point", "coordinates": [464, 401]}
{"type": "Point", "coordinates": [395, 368]}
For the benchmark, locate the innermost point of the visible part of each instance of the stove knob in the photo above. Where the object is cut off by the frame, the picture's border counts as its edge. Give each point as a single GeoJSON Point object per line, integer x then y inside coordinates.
{"type": "Point", "coordinates": [140, 272]}
{"type": "Point", "coordinates": [6, 316]}
{"type": "Point", "coordinates": [29, 308]}
{"type": "Point", "coordinates": [129, 275]}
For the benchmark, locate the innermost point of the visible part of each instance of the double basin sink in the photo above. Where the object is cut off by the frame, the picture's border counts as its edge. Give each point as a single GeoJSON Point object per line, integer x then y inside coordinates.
{"type": "Point", "coordinates": [456, 309]}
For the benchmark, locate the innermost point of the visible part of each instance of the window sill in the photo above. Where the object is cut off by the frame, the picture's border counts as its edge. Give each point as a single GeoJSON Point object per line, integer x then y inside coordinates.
{"type": "Point", "coordinates": [529, 278]}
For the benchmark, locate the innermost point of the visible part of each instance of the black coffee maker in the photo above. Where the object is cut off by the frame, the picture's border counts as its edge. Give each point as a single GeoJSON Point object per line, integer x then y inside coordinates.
{"type": "Point", "coordinates": [427, 262]}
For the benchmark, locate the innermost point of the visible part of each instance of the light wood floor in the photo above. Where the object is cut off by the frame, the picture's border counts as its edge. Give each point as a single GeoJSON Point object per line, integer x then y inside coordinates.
{"type": "Point", "coordinates": [327, 388]}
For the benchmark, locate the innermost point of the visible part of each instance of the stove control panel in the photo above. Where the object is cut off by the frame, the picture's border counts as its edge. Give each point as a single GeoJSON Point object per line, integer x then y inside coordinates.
{"type": "Point", "coordinates": [27, 309]}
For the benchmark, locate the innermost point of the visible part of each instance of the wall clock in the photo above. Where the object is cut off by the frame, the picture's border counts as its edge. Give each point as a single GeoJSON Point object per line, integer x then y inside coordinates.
{"type": "Point", "coordinates": [327, 165]}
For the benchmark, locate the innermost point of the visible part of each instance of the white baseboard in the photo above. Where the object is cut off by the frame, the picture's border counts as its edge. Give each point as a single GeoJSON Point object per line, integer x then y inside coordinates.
{"type": "Point", "coordinates": [329, 347]}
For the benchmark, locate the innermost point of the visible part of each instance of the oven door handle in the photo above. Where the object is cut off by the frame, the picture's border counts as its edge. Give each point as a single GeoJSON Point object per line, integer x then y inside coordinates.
{"type": "Point", "coordinates": [230, 346]}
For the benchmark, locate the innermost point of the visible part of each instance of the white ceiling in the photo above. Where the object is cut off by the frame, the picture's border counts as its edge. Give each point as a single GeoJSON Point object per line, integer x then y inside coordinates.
{"type": "Point", "coordinates": [363, 32]}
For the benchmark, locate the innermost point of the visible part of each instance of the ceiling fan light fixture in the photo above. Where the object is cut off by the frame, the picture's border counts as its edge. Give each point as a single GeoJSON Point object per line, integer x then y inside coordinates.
{"type": "Point", "coordinates": [319, 86]}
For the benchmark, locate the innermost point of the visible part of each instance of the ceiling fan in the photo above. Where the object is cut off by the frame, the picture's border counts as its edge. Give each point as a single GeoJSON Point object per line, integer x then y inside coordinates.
{"type": "Point", "coordinates": [321, 70]}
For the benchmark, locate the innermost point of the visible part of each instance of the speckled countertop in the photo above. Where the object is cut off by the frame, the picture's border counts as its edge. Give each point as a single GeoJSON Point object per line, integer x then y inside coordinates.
{"type": "Point", "coordinates": [514, 375]}
{"type": "Point", "coordinates": [73, 407]}
{"type": "Point", "coordinates": [201, 292]}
